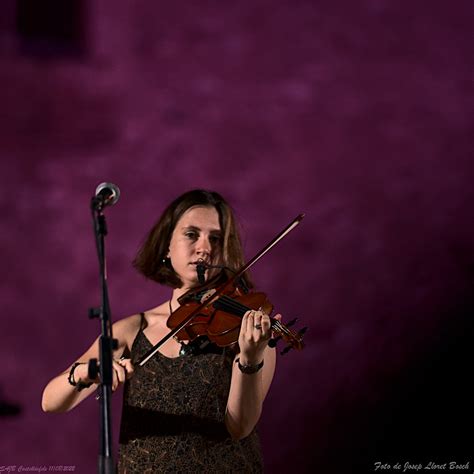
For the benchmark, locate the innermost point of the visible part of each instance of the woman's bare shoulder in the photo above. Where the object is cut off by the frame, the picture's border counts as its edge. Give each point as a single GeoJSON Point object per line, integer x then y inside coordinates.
{"type": "Point", "coordinates": [129, 326]}
{"type": "Point", "coordinates": [125, 330]}
{"type": "Point", "coordinates": [127, 322]}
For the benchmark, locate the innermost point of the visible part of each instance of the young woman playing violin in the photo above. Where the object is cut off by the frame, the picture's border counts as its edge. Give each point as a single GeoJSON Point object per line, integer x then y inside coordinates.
{"type": "Point", "coordinates": [184, 410]}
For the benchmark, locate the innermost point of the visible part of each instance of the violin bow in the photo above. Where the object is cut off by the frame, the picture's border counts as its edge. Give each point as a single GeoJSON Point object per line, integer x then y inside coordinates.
{"type": "Point", "coordinates": [215, 296]}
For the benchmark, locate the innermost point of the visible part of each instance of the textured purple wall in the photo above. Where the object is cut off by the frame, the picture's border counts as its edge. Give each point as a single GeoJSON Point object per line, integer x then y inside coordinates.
{"type": "Point", "coordinates": [357, 113]}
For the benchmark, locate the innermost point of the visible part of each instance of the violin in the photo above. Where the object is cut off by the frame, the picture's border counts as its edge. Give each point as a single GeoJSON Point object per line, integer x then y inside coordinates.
{"type": "Point", "coordinates": [217, 312]}
{"type": "Point", "coordinates": [221, 320]}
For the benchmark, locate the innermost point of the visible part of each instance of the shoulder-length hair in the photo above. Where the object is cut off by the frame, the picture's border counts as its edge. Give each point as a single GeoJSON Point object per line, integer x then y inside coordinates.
{"type": "Point", "coordinates": [151, 259]}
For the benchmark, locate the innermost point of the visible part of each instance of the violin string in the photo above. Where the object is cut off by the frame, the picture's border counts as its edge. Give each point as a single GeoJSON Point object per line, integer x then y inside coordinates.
{"type": "Point", "coordinates": [235, 305]}
{"type": "Point", "coordinates": [232, 304]}
{"type": "Point", "coordinates": [280, 328]}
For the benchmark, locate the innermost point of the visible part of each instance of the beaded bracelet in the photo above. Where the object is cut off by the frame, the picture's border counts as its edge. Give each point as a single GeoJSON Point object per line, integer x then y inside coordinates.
{"type": "Point", "coordinates": [79, 385]}
{"type": "Point", "coordinates": [248, 369]}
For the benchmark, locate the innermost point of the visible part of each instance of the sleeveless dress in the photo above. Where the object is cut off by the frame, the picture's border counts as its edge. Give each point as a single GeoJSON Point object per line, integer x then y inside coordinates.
{"type": "Point", "coordinates": [173, 416]}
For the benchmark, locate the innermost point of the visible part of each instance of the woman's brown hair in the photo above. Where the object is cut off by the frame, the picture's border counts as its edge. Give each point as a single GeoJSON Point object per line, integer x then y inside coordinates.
{"type": "Point", "coordinates": [151, 258]}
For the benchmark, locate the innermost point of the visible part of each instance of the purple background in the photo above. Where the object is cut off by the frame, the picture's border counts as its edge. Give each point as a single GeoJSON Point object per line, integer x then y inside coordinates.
{"type": "Point", "coordinates": [356, 113]}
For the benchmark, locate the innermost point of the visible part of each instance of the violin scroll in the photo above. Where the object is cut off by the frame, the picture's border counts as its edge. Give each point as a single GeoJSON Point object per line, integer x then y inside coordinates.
{"type": "Point", "coordinates": [293, 340]}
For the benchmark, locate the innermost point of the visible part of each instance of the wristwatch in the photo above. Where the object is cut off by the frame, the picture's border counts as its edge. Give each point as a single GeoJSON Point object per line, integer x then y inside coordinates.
{"type": "Point", "coordinates": [248, 369]}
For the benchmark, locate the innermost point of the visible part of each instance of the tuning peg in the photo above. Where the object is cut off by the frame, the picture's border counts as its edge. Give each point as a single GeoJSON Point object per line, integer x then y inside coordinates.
{"type": "Point", "coordinates": [302, 331]}
{"type": "Point", "coordinates": [285, 350]}
{"type": "Point", "coordinates": [290, 323]}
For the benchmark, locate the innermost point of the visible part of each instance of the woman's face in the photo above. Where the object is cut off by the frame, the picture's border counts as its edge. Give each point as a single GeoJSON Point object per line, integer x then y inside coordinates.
{"type": "Point", "coordinates": [197, 236]}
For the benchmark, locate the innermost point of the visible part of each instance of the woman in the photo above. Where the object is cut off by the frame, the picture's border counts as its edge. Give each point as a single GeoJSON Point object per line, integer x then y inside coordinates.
{"type": "Point", "coordinates": [191, 408]}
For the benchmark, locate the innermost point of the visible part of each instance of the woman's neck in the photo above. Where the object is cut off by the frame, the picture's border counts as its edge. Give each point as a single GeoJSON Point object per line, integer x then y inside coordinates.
{"type": "Point", "coordinates": [177, 293]}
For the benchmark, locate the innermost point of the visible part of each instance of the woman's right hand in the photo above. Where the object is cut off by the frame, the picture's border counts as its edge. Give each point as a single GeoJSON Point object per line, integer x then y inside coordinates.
{"type": "Point", "coordinates": [122, 369]}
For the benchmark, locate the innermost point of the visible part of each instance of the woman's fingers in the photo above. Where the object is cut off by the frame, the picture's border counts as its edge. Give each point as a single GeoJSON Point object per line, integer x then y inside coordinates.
{"type": "Point", "coordinates": [127, 365]}
{"type": "Point", "coordinates": [266, 325]}
{"type": "Point", "coordinates": [122, 370]}
{"type": "Point", "coordinates": [257, 323]}
{"type": "Point", "coordinates": [255, 326]}
{"type": "Point", "coordinates": [255, 332]}
{"type": "Point", "coordinates": [261, 325]}
{"type": "Point", "coordinates": [254, 335]}
{"type": "Point", "coordinates": [247, 328]}
{"type": "Point", "coordinates": [115, 375]}
{"type": "Point", "coordinates": [250, 324]}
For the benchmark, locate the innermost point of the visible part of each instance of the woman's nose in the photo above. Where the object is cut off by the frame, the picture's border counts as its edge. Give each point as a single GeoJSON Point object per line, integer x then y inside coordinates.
{"type": "Point", "coordinates": [203, 246]}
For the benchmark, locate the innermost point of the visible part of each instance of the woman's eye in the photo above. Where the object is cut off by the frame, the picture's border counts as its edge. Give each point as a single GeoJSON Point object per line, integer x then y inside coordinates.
{"type": "Point", "coordinates": [191, 235]}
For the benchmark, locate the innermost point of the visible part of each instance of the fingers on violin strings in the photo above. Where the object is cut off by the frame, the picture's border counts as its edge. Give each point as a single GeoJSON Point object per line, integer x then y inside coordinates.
{"type": "Point", "coordinates": [248, 323]}
{"type": "Point", "coordinates": [257, 323]}
{"type": "Point", "coordinates": [245, 317]}
{"type": "Point", "coordinates": [243, 325]}
{"type": "Point", "coordinates": [253, 321]}
{"type": "Point", "coordinates": [266, 326]}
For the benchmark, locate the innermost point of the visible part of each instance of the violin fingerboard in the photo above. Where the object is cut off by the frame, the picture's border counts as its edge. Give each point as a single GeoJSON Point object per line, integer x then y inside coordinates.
{"type": "Point", "coordinates": [230, 306]}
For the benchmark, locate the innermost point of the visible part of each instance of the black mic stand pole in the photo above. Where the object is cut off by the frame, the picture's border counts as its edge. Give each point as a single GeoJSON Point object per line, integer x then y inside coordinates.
{"type": "Point", "coordinates": [106, 344]}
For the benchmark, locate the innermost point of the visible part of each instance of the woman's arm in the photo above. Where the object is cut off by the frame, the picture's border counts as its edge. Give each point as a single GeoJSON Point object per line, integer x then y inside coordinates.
{"type": "Point", "coordinates": [248, 391]}
{"type": "Point", "coordinates": [60, 396]}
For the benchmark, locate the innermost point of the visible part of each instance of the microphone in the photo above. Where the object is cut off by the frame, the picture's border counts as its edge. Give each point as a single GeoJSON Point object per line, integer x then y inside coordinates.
{"type": "Point", "coordinates": [201, 270]}
{"type": "Point", "coordinates": [106, 194]}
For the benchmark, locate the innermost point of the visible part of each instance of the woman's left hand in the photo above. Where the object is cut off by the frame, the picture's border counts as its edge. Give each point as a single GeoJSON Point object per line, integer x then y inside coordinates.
{"type": "Point", "coordinates": [255, 332]}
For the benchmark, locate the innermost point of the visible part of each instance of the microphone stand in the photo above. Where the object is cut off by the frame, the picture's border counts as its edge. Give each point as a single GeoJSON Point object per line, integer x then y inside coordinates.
{"type": "Point", "coordinates": [106, 344]}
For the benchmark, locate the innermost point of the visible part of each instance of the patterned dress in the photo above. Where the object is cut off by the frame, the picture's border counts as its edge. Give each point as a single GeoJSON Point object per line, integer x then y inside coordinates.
{"type": "Point", "coordinates": [173, 416]}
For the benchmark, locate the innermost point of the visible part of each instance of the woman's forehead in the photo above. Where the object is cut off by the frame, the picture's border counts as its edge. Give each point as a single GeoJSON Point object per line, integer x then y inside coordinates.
{"type": "Point", "coordinates": [201, 217]}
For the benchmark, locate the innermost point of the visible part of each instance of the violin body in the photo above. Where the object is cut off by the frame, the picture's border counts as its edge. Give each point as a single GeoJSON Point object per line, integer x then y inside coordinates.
{"type": "Point", "coordinates": [220, 321]}
{"type": "Point", "coordinates": [220, 318]}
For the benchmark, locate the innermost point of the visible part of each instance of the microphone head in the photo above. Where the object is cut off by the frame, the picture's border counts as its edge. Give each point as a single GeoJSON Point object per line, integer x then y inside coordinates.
{"type": "Point", "coordinates": [108, 192]}
{"type": "Point", "coordinates": [201, 270]}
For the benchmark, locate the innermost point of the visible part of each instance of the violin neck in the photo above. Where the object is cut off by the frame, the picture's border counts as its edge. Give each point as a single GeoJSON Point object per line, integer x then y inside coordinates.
{"type": "Point", "coordinates": [229, 305]}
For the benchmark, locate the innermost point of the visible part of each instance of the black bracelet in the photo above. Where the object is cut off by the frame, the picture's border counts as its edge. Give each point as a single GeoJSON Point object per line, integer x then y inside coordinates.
{"type": "Point", "coordinates": [248, 369]}
{"type": "Point", "coordinates": [79, 385]}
